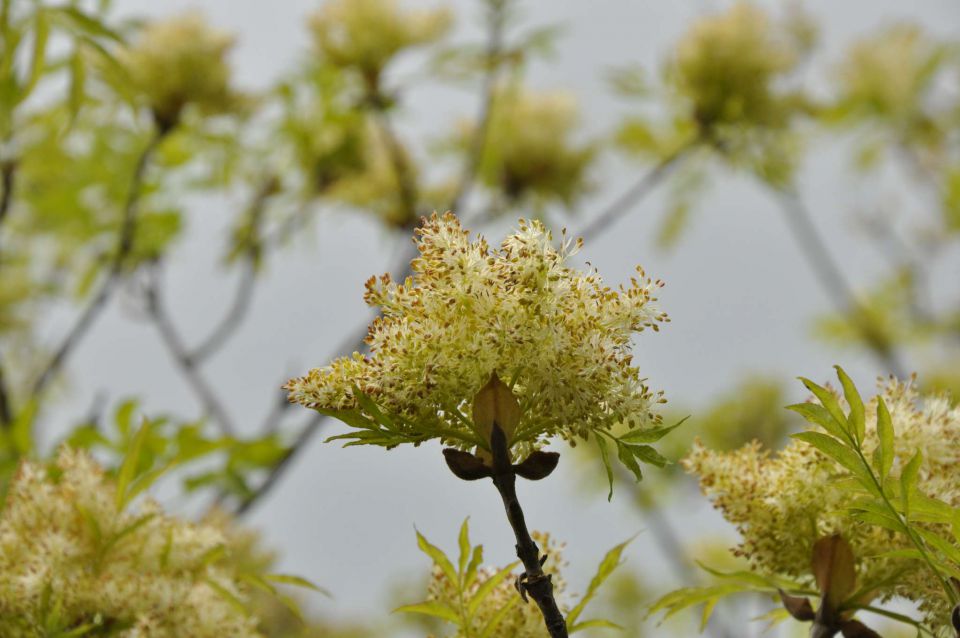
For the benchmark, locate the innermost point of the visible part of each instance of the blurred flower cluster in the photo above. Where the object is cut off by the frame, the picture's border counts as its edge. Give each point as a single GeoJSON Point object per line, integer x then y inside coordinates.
{"type": "Point", "coordinates": [72, 556]}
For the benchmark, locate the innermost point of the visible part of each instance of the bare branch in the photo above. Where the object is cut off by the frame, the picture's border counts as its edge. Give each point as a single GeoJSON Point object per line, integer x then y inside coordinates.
{"type": "Point", "coordinates": [831, 278]}
{"type": "Point", "coordinates": [114, 274]}
{"type": "Point", "coordinates": [174, 343]}
{"type": "Point", "coordinates": [244, 293]}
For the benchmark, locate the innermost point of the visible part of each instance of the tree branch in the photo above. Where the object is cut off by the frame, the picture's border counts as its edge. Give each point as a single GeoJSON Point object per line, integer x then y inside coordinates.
{"type": "Point", "coordinates": [831, 277]}
{"type": "Point", "coordinates": [8, 172]}
{"type": "Point", "coordinates": [174, 343]}
{"type": "Point", "coordinates": [635, 194]}
{"type": "Point", "coordinates": [244, 293]}
{"type": "Point", "coordinates": [114, 274]}
{"type": "Point", "coordinates": [533, 581]}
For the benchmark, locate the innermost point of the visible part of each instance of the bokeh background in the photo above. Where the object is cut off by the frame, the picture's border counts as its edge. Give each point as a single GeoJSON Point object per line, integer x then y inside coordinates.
{"type": "Point", "coordinates": [741, 300]}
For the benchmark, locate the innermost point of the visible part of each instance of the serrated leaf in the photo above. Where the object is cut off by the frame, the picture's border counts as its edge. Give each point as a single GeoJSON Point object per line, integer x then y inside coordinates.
{"type": "Point", "coordinates": [131, 461]}
{"type": "Point", "coordinates": [607, 566]}
{"type": "Point", "coordinates": [295, 581]}
{"type": "Point", "coordinates": [486, 587]}
{"type": "Point", "coordinates": [908, 481]}
{"type": "Point", "coordinates": [843, 455]}
{"type": "Point", "coordinates": [828, 401]}
{"type": "Point", "coordinates": [464, 542]}
{"type": "Point", "coordinates": [431, 608]}
{"type": "Point", "coordinates": [855, 418]}
{"type": "Point", "coordinates": [886, 435]}
{"type": "Point", "coordinates": [818, 415]}
{"type": "Point", "coordinates": [605, 457]}
{"type": "Point", "coordinates": [438, 557]}
{"type": "Point", "coordinates": [652, 435]}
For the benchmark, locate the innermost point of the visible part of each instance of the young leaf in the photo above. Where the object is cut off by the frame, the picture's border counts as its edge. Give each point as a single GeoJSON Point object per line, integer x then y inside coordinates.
{"type": "Point", "coordinates": [486, 587]}
{"type": "Point", "coordinates": [431, 608]}
{"type": "Point", "coordinates": [885, 434]}
{"type": "Point", "coordinates": [842, 455]}
{"type": "Point", "coordinates": [605, 457]}
{"type": "Point", "coordinates": [464, 542]}
{"type": "Point", "coordinates": [131, 461]}
{"type": "Point", "coordinates": [820, 416]}
{"type": "Point", "coordinates": [908, 481]}
{"type": "Point", "coordinates": [625, 455]}
{"type": "Point", "coordinates": [828, 401]}
{"type": "Point", "coordinates": [438, 557]}
{"type": "Point", "coordinates": [855, 419]}
{"type": "Point", "coordinates": [609, 563]}
{"type": "Point", "coordinates": [653, 435]}
{"type": "Point", "coordinates": [295, 581]}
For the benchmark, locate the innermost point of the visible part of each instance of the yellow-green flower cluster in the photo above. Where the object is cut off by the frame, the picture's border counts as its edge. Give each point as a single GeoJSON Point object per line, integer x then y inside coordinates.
{"type": "Point", "coordinates": [728, 67]}
{"type": "Point", "coordinates": [520, 620]}
{"type": "Point", "coordinates": [180, 62]}
{"type": "Point", "coordinates": [364, 35]}
{"type": "Point", "coordinates": [529, 151]}
{"type": "Point", "coordinates": [886, 75]}
{"type": "Point", "coordinates": [70, 557]}
{"type": "Point", "coordinates": [558, 336]}
{"type": "Point", "coordinates": [782, 503]}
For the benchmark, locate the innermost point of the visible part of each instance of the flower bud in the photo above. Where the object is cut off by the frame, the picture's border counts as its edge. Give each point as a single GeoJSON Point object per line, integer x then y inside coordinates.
{"type": "Point", "coordinates": [495, 403]}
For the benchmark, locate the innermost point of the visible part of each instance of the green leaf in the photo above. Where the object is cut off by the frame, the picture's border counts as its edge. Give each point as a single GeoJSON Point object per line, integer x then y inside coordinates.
{"type": "Point", "coordinates": [432, 608]}
{"type": "Point", "coordinates": [625, 455]}
{"type": "Point", "coordinates": [653, 435]}
{"type": "Point", "coordinates": [607, 566]}
{"type": "Point", "coordinates": [595, 623]}
{"type": "Point", "coordinates": [131, 461]}
{"type": "Point", "coordinates": [649, 455]}
{"type": "Point", "coordinates": [78, 81]}
{"type": "Point", "coordinates": [908, 481]}
{"type": "Point", "coordinates": [41, 32]}
{"type": "Point", "coordinates": [828, 401]}
{"type": "Point", "coordinates": [486, 587]}
{"type": "Point", "coordinates": [228, 596]}
{"type": "Point", "coordinates": [295, 581]}
{"type": "Point", "coordinates": [836, 450]}
{"type": "Point", "coordinates": [81, 23]}
{"type": "Point", "coordinates": [820, 416]}
{"type": "Point", "coordinates": [605, 457]}
{"type": "Point", "coordinates": [439, 558]}
{"type": "Point", "coordinates": [498, 617]}
{"type": "Point", "coordinates": [855, 419]}
{"type": "Point", "coordinates": [464, 542]}
{"type": "Point", "coordinates": [885, 434]}
{"type": "Point", "coordinates": [472, 568]}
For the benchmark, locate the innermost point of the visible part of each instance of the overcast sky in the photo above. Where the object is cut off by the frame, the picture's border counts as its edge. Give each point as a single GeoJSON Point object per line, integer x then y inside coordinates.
{"type": "Point", "coordinates": [739, 297]}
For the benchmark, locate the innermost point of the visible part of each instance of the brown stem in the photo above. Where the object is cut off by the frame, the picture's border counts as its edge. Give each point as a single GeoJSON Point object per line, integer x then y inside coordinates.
{"type": "Point", "coordinates": [534, 582]}
{"type": "Point", "coordinates": [114, 274]}
{"type": "Point", "coordinates": [8, 172]}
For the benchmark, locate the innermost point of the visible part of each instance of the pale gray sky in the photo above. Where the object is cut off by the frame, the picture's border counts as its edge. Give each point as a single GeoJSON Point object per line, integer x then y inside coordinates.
{"type": "Point", "coordinates": [739, 297]}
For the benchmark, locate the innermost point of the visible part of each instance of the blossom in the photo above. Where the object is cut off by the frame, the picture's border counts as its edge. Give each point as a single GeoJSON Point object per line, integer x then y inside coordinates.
{"type": "Point", "coordinates": [70, 555]}
{"type": "Point", "coordinates": [529, 151]}
{"type": "Point", "coordinates": [366, 34]}
{"type": "Point", "coordinates": [728, 66]}
{"type": "Point", "coordinates": [558, 337]}
{"type": "Point", "coordinates": [179, 62]}
{"type": "Point", "coordinates": [783, 502]}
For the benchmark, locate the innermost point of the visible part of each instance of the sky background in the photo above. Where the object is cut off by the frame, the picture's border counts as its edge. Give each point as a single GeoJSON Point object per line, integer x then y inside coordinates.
{"type": "Point", "coordinates": [739, 296]}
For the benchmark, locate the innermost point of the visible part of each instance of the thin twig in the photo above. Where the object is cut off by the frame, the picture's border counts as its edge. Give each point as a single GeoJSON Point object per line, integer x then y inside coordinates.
{"type": "Point", "coordinates": [114, 274]}
{"type": "Point", "coordinates": [174, 343]}
{"type": "Point", "coordinates": [831, 277]}
{"type": "Point", "coordinates": [533, 581]}
{"type": "Point", "coordinates": [245, 287]}
{"type": "Point", "coordinates": [635, 194]}
{"type": "Point", "coordinates": [8, 173]}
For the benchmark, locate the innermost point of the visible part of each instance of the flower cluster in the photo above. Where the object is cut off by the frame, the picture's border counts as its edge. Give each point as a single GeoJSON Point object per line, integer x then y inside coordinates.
{"type": "Point", "coordinates": [520, 620]}
{"type": "Point", "coordinates": [180, 62]}
{"type": "Point", "coordinates": [559, 337]}
{"type": "Point", "coordinates": [71, 557]}
{"type": "Point", "coordinates": [529, 151]}
{"type": "Point", "coordinates": [728, 67]}
{"type": "Point", "coordinates": [887, 74]}
{"type": "Point", "coordinates": [782, 503]}
{"type": "Point", "coordinates": [364, 35]}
